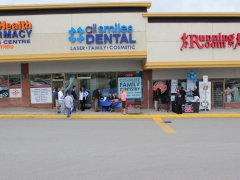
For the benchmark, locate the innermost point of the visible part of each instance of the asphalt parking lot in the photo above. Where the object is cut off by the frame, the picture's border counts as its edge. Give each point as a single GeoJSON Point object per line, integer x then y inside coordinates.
{"type": "Point", "coordinates": [100, 149]}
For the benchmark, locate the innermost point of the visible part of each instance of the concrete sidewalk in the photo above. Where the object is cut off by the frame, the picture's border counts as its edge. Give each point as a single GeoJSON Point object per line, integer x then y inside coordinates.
{"type": "Point", "coordinates": [51, 113]}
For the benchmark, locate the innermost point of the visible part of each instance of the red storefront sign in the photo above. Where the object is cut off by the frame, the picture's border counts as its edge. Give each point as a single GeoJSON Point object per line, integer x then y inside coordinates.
{"type": "Point", "coordinates": [210, 41]}
{"type": "Point", "coordinates": [128, 75]}
{"type": "Point", "coordinates": [161, 85]}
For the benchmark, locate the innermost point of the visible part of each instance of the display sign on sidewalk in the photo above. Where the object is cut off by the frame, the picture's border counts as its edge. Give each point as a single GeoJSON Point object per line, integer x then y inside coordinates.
{"type": "Point", "coordinates": [41, 95]}
{"type": "Point", "coordinates": [205, 95]}
{"type": "Point", "coordinates": [132, 86]}
{"type": "Point", "coordinates": [205, 78]}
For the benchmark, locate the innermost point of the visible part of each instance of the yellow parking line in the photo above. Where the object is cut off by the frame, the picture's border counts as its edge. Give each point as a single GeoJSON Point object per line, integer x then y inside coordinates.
{"type": "Point", "coordinates": [164, 126]}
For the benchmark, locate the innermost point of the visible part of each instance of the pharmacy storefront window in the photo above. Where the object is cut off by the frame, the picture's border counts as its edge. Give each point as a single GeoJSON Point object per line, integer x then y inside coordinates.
{"type": "Point", "coordinates": [132, 83]}
{"type": "Point", "coordinates": [41, 89]}
{"type": "Point", "coordinates": [4, 90]}
{"type": "Point", "coordinates": [15, 87]}
{"type": "Point", "coordinates": [232, 88]}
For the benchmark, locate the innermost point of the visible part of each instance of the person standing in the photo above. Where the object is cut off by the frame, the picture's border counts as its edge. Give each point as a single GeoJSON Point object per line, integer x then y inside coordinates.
{"type": "Point", "coordinates": [195, 92]}
{"type": "Point", "coordinates": [73, 92]}
{"type": "Point", "coordinates": [115, 96]}
{"type": "Point", "coordinates": [56, 99]}
{"type": "Point", "coordinates": [183, 93]}
{"type": "Point", "coordinates": [96, 95]}
{"type": "Point", "coordinates": [83, 98]}
{"type": "Point", "coordinates": [156, 96]}
{"type": "Point", "coordinates": [61, 100]}
{"type": "Point", "coordinates": [69, 104]}
{"type": "Point", "coordinates": [123, 99]}
{"type": "Point", "coordinates": [178, 102]}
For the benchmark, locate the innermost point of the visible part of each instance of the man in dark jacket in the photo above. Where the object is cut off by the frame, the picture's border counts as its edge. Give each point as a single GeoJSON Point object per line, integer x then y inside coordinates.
{"type": "Point", "coordinates": [183, 93]}
{"type": "Point", "coordinates": [178, 102]}
{"type": "Point", "coordinates": [156, 96]}
{"type": "Point", "coordinates": [73, 92]}
{"type": "Point", "coordinates": [96, 95]}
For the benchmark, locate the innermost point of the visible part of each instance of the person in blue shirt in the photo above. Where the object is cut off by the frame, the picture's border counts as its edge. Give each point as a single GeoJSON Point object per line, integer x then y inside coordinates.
{"type": "Point", "coordinates": [56, 99]}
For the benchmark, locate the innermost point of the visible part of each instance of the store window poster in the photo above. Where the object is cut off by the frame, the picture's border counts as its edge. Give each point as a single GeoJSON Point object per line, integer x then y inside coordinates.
{"type": "Point", "coordinates": [132, 86]}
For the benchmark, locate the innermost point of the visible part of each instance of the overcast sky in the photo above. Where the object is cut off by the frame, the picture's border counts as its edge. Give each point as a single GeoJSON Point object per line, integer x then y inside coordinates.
{"type": "Point", "coordinates": [157, 5]}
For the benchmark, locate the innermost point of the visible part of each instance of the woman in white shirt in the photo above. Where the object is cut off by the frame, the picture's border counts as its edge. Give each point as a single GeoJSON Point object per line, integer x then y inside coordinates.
{"type": "Point", "coordinates": [83, 98]}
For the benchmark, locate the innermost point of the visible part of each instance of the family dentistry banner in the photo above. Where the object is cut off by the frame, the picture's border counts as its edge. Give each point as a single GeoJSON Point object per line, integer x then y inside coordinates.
{"type": "Point", "coordinates": [132, 86]}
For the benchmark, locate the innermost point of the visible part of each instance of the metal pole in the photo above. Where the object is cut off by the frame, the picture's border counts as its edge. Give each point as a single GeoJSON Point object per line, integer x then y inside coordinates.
{"type": "Point", "coordinates": [205, 96]}
{"type": "Point", "coordinates": [148, 96]}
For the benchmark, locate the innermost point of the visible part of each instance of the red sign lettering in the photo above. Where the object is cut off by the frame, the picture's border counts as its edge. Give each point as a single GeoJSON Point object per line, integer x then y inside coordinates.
{"type": "Point", "coordinates": [128, 75]}
{"type": "Point", "coordinates": [210, 41]}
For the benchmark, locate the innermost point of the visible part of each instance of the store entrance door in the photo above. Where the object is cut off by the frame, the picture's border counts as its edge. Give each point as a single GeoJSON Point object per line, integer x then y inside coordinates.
{"type": "Point", "coordinates": [86, 83]}
{"type": "Point", "coordinates": [218, 93]}
{"type": "Point", "coordinates": [56, 83]}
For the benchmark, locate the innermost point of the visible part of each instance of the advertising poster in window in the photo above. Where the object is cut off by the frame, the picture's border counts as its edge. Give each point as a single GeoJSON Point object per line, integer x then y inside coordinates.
{"type": "Point", "coordinates": [132, 86]}
{"type": "Point", "coordinates": [41, 95]}
{"type": "Point", "coordinates": [174, 86]}
{"type": "Point", "coordinates": [205, 95]}
{"type": "Point", "coordinates": [15, 93]}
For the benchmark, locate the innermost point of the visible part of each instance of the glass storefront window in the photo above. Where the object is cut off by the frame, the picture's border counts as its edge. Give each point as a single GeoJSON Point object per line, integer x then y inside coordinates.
{"type": "Point", "coordinates": [106, 82]}
{"type": "Point", "coordinates": [232, 88]}
{"type": "Point", "coordinates": [84, 75]}
{"type": "Point", "coordinates": [4, 90]}
{"type": "Point", "coordinates": [162, 84]}
{"type": "Point", "coordinates": [14, 81]}
{"type": "Point", "coordinates": [130, 81]}
{"type": "Point", "coordinates": [58, 76]}
{"type": "Point", "coordinates": [40, 80]}
{"type": "Point", "coordinates": [70, 81]}
{"type": "Point", "coordinates": [182, 83]}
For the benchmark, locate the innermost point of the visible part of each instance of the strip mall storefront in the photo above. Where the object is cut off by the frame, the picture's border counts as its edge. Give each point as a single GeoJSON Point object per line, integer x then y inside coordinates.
{"type": "Point", "coordinates": [205, 43]}
{"type": "Point", "coordinates": [110, 46]}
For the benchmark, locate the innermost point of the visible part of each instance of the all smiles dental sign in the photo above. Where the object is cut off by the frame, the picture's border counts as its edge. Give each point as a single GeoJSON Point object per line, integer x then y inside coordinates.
{"type": "Point", "coordinates": [109, 37]}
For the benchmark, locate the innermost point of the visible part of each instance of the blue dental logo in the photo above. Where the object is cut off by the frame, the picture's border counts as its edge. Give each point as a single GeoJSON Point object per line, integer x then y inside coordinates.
{"type": "Point", "coordinates": [72, 31]}
{"type": "Point", "coordinates": [116, 36]}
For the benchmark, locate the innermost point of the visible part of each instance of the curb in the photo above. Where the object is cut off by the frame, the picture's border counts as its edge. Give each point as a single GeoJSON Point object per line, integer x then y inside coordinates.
{"type": "Point", "coordinates": [49, 116]}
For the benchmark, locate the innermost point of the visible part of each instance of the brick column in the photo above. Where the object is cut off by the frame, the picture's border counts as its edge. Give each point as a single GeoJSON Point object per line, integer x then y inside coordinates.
{"type": "Point", "coordinates": [25, 86]}
{"type": "Point", "coordinates": [147, 75]}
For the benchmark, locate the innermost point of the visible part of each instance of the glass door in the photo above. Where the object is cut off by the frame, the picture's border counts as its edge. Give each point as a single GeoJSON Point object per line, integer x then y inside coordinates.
{"type": "Point", "coordinates": [218, 93]}
{"type": "Point", "coordinates": [56, 83]}
{"type": "Point", "coordinates": [86, 83]}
